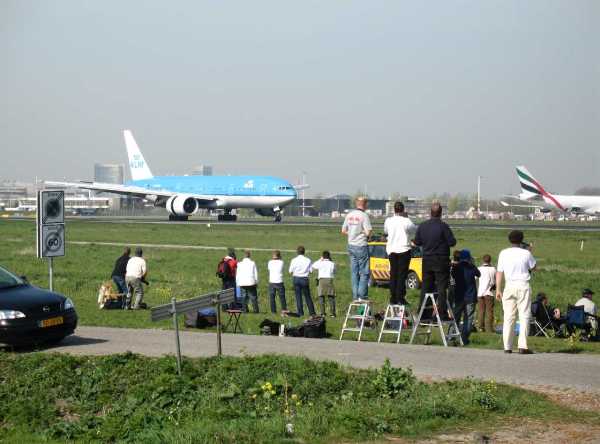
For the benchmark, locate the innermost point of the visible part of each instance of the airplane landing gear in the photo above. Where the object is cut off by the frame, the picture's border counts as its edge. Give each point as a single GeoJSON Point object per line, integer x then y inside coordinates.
{"type": "Point", "coordinates": [278, 217]}
{"type": "Point", "coordinates": [227, 217]}
{"type": "Point", "coordinates": [176, 218]}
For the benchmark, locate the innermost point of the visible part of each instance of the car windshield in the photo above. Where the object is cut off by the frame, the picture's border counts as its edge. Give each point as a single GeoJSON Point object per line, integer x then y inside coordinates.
{"type": "Point", "coordinates": [7, 279]}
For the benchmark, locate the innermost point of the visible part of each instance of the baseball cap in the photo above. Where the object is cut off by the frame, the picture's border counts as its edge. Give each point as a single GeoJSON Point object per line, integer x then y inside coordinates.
{"type": "Point", "coordinates": [587, 291]}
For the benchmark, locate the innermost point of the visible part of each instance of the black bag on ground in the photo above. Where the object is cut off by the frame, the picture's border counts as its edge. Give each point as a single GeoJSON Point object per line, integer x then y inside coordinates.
{"type": "Point", "coordinates": [271, 326]}
{"type": "Point", "coordinates": [295, 332]}
{"type": "Point", "coordinates": [315, 327]}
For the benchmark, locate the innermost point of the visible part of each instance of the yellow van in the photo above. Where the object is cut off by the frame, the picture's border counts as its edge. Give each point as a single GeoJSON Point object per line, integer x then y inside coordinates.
{"type": "Point", "coordinates": [380, 266]}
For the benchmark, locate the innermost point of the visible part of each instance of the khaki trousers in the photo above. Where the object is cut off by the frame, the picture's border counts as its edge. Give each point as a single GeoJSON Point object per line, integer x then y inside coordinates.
{"type": "Point", "coordinates": [516, 298]}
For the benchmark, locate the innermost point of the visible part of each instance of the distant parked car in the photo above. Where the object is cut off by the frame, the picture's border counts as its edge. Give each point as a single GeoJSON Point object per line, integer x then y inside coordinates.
{"type": "Point", "coordinates": [30, 315]}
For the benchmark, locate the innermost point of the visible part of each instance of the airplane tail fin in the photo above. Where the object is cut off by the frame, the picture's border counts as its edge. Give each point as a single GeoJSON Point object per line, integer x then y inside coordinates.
{"type": "Point", "coordinates": [529, 186]}
{"type": "Point", "coordinates": [137, 164]}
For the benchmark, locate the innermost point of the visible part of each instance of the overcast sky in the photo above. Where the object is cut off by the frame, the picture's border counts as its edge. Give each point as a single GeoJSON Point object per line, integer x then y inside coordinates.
{"type": "Point", "coordinates": [408, 96]}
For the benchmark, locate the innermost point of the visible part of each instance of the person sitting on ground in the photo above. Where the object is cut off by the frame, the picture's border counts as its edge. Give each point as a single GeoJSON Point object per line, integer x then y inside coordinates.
{"type": "Point", "coordinates": [247, 279]}
{"type": "Point", "coordinates": [276, 285]}
{"type": "Point", "coordinates": [299, 269]}
{"type": "Point", "coordinates": [326, 272]}
{"type": "Point", "coordinates": [465, 293]}
{"type": "Point", "coordinates": [589, 307]}
{"type": "Point", "coordinates": [135, 275]}
{"type": "Point", "coordinates": [515, 264]}
{"type": "Point", "coordinates": [118, 274]}
{"type": "Point", "coordinates": [485, 295]}
{"type": "Point", "coordinates": [545, 314]}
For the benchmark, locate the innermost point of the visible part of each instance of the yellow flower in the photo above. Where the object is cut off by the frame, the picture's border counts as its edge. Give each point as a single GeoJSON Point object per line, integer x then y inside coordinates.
{"type": "Point", "coordinates": [273, 392]}
{"type": "Point", "coordinates": [254, 396]}
{"type": "Point", "coordinates": [294, 396]}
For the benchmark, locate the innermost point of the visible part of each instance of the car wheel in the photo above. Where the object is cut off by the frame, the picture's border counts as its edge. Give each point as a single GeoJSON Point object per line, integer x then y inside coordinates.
{"type": "Point", "coordinates": [412, 281]}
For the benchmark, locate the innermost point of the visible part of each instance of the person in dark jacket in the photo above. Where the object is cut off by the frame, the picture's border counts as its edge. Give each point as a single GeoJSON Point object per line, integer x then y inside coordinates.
{"type": "Point", "coordinates": [436, 239]}
{"type": "Point", "coordinates": [465, 293]}
{"type": "Point", "coordinates": [118, 274]}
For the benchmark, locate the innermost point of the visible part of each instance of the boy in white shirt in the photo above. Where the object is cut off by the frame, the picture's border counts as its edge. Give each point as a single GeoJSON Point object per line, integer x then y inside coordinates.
{"type": "Point", "coordinates": [246, 278]}
{"type": "Point", "coordinates": [485, 295]}
{"type": "Point", "coordinates": [275, 266]}
{"type": "Point", "coordinates": [299, 269]}
{"type": "Point", "coordinates": [326, 272]}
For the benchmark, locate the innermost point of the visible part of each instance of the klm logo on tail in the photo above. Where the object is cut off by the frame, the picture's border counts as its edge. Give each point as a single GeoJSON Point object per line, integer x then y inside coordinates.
{"type": "Point", "coordinates": [136, 162]}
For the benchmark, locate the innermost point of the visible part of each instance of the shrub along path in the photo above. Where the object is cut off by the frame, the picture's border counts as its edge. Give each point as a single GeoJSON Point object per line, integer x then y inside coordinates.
{"type": "Point", "coordinates": [581, 372]}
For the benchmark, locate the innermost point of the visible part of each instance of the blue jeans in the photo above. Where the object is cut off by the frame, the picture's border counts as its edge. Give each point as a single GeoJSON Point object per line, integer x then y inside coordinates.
{"type": "Point", "coordinates": [120, 283]}
{"type": "Point", "coordinates": [466, 312]}
{"type": "Point", "coordinates": [249, 294]}
{"type": "Point", "coordinates": [277, 288]}
{"type": "Point", "coordinates": [302, 288]}
{"type": "Point", "coordinates": [359, 271]}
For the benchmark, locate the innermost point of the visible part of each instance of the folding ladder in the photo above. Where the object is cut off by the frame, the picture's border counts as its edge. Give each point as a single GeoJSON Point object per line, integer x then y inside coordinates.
{"type": "Point", "coordinates": [452, 329]}
{"type": "Point", "coordinates": [359, 311]}
{"type": "Point", "coordinates": [395, 314]}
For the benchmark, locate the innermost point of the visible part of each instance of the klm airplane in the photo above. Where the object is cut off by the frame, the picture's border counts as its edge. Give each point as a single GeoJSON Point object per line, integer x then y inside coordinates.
{"type": "Point", "coordinates": [183, 196]}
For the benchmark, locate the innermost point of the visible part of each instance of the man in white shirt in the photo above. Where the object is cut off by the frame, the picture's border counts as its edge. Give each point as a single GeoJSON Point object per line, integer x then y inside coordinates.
{"type": "Point", "coordinates": [325, 269]}
{"type": "Point", "coordinates": [275, 267]}
{"type": "Point", "coordinates": [485, 295]}
{"type": "Point", "coordinates": [299, 269]}
{"type": "Point", "coordinates": [135, 274]}
{"type": "Point", "coordinates": [589, 307]}
{"type": "Point", "coordinates": [247, 279]}
{"type": "Point", "coordinates": [357, 226]}
{"type": "Point", "coordinates": [515, 265]}
{"type": "Point", "coordinates": [399, 229]}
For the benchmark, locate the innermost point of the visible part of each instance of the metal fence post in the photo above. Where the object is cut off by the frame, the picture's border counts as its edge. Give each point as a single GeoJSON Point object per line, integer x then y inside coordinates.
{"type": "Point", "coordinates": [176, 325]}
{"type": "Point", "coordinates": [219, 348]}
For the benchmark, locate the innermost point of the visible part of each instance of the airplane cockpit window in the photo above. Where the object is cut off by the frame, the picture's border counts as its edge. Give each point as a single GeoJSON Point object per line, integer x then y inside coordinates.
{"type": "Point", "coordinates": [284, 188]}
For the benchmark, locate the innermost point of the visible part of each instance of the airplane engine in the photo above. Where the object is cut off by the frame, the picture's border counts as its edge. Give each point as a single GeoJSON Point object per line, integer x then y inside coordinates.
{"type": "Point", "coordinates": [265, 211]}
{"type": "Point", "coordinates": [182, 205]}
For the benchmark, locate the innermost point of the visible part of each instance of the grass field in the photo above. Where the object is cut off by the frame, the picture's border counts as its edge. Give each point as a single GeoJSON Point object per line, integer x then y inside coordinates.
{"type": "Point", "coordinates": [267, 399]}
{"type": "Point", "coordinates": [185, 266]}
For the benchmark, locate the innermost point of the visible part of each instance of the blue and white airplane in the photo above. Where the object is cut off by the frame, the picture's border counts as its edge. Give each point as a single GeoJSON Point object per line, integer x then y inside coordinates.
{"type": "Point", "coordinates": [183, 196]}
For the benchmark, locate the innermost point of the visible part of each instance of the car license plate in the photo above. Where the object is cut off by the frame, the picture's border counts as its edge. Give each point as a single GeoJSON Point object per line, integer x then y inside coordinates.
{"type": "Point", "coordinates": [52, 322]}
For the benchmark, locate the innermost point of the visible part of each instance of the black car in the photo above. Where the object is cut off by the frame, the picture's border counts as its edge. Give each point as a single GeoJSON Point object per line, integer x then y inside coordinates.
{"type": "Point", "coordinates": [30, 315]}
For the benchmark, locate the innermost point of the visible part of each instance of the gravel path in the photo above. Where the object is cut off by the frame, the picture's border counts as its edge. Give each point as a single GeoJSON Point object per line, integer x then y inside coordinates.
{"type": "Point", "coordinates": [580, 372]}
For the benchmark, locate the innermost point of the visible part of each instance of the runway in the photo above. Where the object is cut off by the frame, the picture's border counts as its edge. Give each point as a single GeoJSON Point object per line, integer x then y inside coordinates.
{"type": "Point", "coordinates": [299, 222]}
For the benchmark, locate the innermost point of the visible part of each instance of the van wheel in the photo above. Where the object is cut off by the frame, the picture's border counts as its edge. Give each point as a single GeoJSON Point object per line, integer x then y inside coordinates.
{"type": "Point", "coordinates": [412, 281]}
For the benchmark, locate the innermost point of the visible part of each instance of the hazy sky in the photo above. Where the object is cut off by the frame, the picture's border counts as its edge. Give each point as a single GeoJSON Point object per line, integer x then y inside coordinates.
{"type": "Point", "coordinates": [408, 96]}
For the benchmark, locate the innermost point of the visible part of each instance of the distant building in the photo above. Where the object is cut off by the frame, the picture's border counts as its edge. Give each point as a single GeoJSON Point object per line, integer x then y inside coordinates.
{"type": "Point", "coordinates": [202, 170]}
{"type": "Point", "coordinates": [109, 173]}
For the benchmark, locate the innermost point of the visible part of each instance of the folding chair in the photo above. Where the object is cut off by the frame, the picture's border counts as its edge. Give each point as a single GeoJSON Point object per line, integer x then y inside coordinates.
{"type": "Point", "coordinates": [541, 321]}
{"type": "Point", "coordinates": [577, 319]}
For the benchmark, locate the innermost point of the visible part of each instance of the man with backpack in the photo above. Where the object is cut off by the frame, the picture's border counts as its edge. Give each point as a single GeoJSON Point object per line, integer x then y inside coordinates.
{"type": "Point", "coordinates": [226, 271]}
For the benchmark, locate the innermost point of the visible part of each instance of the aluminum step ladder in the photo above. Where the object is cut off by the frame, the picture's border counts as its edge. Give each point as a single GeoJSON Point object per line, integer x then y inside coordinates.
{"type": "Point", "coordinates": [452, 332]}
{"type": "Point", "coordinates": [359, 311]}
{"type": "Point", "coordinates": [395, 313]}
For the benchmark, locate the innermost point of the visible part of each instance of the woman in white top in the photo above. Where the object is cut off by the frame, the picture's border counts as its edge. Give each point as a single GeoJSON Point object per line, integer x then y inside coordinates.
{"type": "Point", "coordinates": [326, 272]}
{"type": "Point", "coordinates": [246, 278]}
{"type": "Point", "coordinates": [399, 229]}
{"type": "Point", "coordinates": [275, 266]}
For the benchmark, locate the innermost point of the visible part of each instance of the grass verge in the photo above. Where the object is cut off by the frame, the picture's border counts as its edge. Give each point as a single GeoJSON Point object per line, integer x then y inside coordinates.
{"type": "Point", "coordinates": [271, 399]}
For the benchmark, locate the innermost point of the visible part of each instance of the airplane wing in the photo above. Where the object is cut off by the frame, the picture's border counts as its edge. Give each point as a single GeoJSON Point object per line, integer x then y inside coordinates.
{"type": "Point", "coordinates": [129, 190]}
{"type": "Point", "coordinates": [506, 204]}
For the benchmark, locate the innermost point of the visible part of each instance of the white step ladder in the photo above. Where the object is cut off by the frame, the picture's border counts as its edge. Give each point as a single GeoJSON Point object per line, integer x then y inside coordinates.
{"type": "Point", "coordinates": [452, 329]}
{"type": "Point", "coordinates": [395, 313]}
{"type": "Point", "coordinates": [359, 311]}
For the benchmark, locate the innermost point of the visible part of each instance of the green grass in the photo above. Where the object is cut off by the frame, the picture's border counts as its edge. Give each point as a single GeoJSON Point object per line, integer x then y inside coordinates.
{"type": "Point", "coordinates": [129, 398]}
{"type": "Point", "coordinates": [563, 269]}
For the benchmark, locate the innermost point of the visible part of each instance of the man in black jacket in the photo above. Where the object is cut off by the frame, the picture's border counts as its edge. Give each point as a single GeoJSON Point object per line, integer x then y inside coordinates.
{"type": "Point", "coordinates": [436, 238]}
{"type": "Point", "coordinates": [118, 274]}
